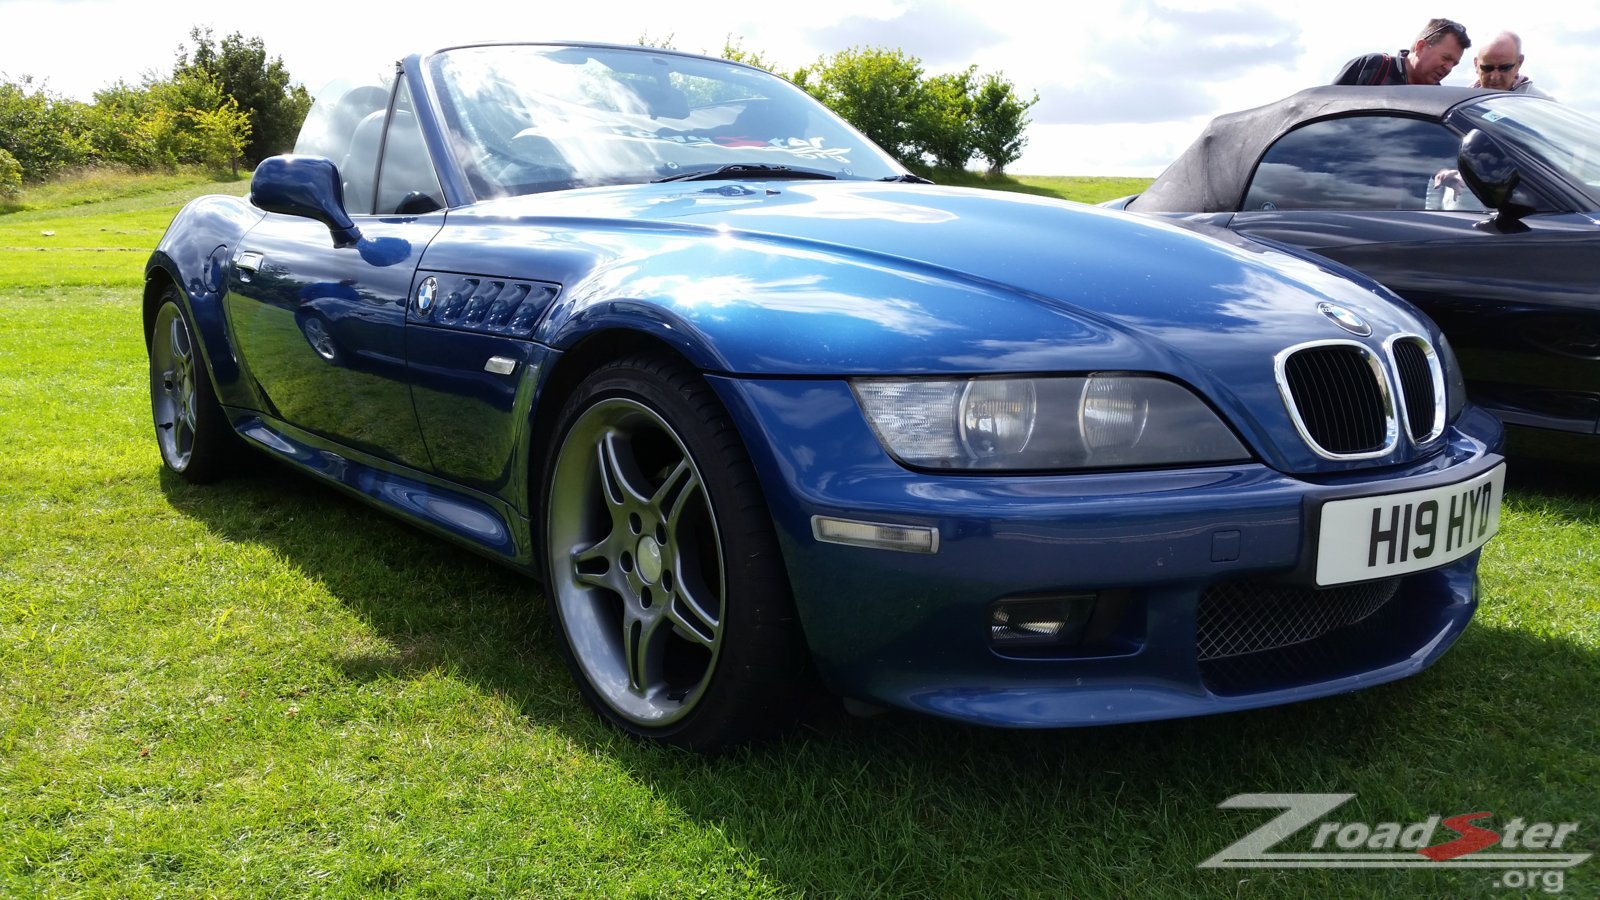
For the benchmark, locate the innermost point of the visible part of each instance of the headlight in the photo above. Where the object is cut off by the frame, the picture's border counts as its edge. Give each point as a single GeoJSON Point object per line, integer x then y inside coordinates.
{"type": "Point", "coordinates": [1097, 421]}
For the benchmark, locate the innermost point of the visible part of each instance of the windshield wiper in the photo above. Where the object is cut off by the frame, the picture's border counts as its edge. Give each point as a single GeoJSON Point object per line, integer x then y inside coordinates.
{"type": "Point", "coordinates": [907, 178]}
{"type": "Point", "coordinates": [747, 170]}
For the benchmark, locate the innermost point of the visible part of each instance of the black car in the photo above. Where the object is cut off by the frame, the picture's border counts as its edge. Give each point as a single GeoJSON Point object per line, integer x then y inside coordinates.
{"type": "Point", "coordinates": [1480, 207]}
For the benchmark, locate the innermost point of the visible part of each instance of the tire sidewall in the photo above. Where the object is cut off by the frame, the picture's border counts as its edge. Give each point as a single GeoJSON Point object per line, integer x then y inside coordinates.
{"type": "Point", "coordinates": [209, 456]}
{"type": "Point", "coordinates": [758, 650]}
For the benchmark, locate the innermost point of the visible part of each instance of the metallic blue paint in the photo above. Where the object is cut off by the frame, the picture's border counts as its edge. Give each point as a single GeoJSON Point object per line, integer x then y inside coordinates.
{"type": "Point", "coordinates": [957, 282]}
{"type": "Point", "coordinates": [199, 238]}
{"type": "Point", "coordinates": [476, 422]}
{"type": "Point", "coordinates": [324, 328]}
{"type": "Point", "coordinates": [780, 293]}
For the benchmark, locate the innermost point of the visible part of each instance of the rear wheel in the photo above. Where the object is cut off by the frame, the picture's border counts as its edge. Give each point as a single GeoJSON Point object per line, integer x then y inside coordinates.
{"type": "Point", "coordinates": [191, 430]}
{"type": "Point", "coordinates": [663, 570]}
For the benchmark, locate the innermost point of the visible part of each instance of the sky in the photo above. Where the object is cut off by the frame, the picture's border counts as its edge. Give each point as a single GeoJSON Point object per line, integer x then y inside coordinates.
{"type": "Point", "coordinates": [1123, 85]}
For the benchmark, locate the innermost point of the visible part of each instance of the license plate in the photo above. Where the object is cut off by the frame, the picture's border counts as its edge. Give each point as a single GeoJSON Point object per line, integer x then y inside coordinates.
{"type": "Point", "coordinates": [1393, 534]}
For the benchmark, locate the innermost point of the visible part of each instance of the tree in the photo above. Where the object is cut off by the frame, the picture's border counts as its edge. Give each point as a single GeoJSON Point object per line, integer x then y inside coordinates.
{"type": "Point", "coordinates": [260, 87]}
{"type": "Point", "coordinates": [999, 122]}
{"type": "Point", "coordinates": [878, 90]}
{"type": "Point", "coordinates": [943, 125]}
{"type": "Point", "coordinates": [222, 134]}
{"type": "Point", "coordinates": [734, 51]}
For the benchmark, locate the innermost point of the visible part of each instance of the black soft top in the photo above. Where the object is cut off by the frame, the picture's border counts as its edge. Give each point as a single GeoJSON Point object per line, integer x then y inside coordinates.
{"type": "Point", "coordinates": [1211, 176]}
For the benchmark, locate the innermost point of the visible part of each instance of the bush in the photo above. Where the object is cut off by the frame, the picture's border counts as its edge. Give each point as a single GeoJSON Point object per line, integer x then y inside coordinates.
{"type": "Point", "coordinates": [44, 134]}
{"type": "Point", "coordinates": [10, 176]}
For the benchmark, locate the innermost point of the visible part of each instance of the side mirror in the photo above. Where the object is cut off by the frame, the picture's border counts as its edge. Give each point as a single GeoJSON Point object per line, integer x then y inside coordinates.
{"type": "Point", "coordinates": [1492, 174]}
{"type": "Point", "coordinates": [305, 186]}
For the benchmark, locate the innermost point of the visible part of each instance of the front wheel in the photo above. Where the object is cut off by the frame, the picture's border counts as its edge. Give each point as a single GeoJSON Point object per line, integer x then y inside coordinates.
{"type": "Point", "coordinates": [663, 571]}
{"type": "Point", "coordinates": [191, 430]}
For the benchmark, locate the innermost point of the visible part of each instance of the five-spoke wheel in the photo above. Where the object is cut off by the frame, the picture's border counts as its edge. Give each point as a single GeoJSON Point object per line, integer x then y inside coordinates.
{"type": "Point", "coordinates": [191, 432]}
{"type": "Point", "coordinates": [662, 568]}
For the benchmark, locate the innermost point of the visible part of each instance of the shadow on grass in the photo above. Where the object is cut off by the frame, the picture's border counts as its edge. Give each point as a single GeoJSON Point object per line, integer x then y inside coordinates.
{"type": "Point", "coordinates": [905, 805]}
{"type": "Point", "coordinates": [1575, 484]}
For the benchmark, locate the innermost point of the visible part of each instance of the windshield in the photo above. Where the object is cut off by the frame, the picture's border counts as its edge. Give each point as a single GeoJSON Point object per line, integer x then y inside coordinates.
{"type": "Point", "coordinates": [1567, 140]}
{"type": "Point", "coordinates": [524, 119]}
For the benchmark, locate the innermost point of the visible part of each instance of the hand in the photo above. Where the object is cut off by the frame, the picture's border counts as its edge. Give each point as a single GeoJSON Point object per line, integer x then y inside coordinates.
{"type": "Point", "coordinates": [1451, 179]}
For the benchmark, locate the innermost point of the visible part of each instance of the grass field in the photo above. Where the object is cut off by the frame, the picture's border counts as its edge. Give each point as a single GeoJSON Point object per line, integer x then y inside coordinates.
{"type": "Point", "coordinates": [263, 688]}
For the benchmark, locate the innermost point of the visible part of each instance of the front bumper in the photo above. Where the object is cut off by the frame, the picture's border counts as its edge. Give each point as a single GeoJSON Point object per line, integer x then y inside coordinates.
{"type": "Point", "coordinates": [1166, 549]}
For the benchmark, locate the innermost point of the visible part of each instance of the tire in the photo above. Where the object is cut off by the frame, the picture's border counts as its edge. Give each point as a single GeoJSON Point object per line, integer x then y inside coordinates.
{"type": "Point", "coordinates": [195, 439]}
{"type": "Point", "coordinates": [662, 570]}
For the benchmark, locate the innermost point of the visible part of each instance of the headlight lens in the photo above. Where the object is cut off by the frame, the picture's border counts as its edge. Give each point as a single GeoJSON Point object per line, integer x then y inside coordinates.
{"type": "Point", "coordinates": [997, 416]}
{"type": "Point", "coordinates": [1097, 421]}
{"type": "Point", "coordinates": [1114, 413]}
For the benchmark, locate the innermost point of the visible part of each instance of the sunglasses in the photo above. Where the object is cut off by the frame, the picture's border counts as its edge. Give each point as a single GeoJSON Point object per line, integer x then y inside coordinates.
{"type": "Point", "coordinates": [1486, 68]}
{"type": "Point", "coordinates": [1457, 27]}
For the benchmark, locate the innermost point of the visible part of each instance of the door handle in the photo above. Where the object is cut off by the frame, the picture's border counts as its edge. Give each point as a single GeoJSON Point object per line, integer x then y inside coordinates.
{"type": "Point", "coordinates": [249, 261]}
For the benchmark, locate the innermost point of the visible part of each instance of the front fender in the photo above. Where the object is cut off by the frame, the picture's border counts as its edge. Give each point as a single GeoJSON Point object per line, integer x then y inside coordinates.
{"type": "Point", "coordinates": [194, 254]}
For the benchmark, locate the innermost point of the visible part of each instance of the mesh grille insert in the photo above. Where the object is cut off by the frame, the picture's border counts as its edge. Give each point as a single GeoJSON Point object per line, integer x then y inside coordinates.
{"type": "Point", "coordinates": [1240, 617]}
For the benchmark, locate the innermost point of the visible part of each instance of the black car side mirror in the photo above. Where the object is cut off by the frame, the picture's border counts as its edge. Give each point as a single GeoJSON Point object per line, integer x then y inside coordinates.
{"type": "Point", "coordinates": [1493, 176]}
{"type": "Point", "coordinates": [305, 186]}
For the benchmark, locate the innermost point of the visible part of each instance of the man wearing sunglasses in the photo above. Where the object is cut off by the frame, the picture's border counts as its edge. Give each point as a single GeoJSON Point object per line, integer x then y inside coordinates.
{"type": "Point", "coordinates": [1499, 66]}
{"type": "Point", "coordinates": [1439, 46]}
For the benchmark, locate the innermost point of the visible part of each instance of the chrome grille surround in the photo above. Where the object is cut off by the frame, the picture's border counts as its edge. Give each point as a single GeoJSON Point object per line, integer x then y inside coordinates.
{"type": "Point", "coordinates": [1314, 430]}
{"type": "Point", "coordinates": [1420, 375]}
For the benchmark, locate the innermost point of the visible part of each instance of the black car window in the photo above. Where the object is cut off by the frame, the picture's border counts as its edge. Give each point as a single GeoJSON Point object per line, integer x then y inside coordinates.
{"type": "Point", "coordinates": [407, 184]}
{"type": "Point", "coordinates": [1362, 162]}
{"type": "Point", "coordinates": [1556, 135]}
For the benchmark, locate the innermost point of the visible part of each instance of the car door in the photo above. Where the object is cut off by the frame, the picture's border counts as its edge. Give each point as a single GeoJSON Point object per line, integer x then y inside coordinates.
{"type": "Point", "coordinates": [322, 328]}
{"type": "Point", "coordinates": [1380, 194]}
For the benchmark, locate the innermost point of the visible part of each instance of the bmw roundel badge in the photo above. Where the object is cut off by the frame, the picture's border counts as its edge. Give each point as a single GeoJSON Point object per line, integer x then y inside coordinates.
{"type": "Point", "coordinates": [1344, 318]}
{"type": "Point", "coordinates": [426, 291]}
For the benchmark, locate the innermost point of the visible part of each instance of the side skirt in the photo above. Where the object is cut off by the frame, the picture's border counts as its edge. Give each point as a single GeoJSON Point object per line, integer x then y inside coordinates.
{"type": "Point", "coordinates": [477, 521]}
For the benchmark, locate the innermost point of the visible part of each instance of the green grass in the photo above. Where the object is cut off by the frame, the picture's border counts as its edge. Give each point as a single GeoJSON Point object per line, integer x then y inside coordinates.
{"type": "Point", "coordinates": [96, 227]}
{"type": "Point", "coordinates": [263, 688]}
{"type": "Point", "coordinates": [1079, 188]}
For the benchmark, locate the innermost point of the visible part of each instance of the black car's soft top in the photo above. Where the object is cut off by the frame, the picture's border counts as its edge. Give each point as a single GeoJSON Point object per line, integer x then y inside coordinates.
{"type": "Point", "coordinates": [1211, 176]}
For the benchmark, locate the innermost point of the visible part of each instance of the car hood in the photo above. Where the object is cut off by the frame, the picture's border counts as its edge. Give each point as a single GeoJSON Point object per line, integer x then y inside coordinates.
{"type": "Point", "coordinates": [827, 279]}
{"type": "Point", "coordinates": [1103, 270]}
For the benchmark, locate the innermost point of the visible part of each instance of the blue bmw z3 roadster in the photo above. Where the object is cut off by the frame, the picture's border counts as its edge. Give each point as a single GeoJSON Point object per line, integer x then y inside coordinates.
{"type": "Point", "coordinates": [765, 413]}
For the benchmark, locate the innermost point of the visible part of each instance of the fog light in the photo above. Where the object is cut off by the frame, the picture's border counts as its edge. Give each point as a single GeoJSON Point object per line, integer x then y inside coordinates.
{"type": "Point", "coordinates": [1056, 619]}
